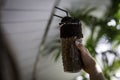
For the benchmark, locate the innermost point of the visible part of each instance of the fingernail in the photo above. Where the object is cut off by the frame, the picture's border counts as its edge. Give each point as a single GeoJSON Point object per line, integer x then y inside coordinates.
{"type": "Point", "coordinates": [77, 42]}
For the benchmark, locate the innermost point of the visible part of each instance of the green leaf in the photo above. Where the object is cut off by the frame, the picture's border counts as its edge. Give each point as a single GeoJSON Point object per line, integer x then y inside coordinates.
{"type": "Point", "coordinates": [58, 54]}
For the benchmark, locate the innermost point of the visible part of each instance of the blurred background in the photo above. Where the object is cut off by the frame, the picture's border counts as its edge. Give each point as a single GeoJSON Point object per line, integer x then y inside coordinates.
{"type": "Point", "coordinates": [30, 47]}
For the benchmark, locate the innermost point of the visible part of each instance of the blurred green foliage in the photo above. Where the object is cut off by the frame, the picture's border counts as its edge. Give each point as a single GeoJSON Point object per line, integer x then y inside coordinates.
{"type": "Point", "coordinates": [109, 32]}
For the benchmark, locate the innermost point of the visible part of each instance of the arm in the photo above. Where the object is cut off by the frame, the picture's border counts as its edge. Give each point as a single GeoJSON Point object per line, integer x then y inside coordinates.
{"type": "Point", "coordinates": [89, 64]}
{"type": "Point", "coordinates": [96, 73]}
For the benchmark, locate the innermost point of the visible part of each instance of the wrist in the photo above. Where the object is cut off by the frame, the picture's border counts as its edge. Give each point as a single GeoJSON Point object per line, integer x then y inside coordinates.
{"type": "Point", "coordinates": [95, 70]}
{"type": "Point", "coordinates": [96, 74]}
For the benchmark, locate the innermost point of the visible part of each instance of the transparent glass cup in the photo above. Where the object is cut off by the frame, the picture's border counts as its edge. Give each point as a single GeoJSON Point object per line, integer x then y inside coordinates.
{"type": "Point", "coordinates": [70, 54]}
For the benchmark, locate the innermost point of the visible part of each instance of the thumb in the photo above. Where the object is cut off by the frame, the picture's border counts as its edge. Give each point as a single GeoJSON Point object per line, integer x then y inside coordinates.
{"type": "Point", "coordinates": [82, 49]}
{"type": "Point", "coordinates": [79, 44]}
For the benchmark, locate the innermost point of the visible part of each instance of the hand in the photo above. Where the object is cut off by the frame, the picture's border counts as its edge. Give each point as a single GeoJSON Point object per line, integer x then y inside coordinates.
{"type": "Point", "coordinates": [88, 61]}
{"type": "Point", "coordinates": [89, 64]}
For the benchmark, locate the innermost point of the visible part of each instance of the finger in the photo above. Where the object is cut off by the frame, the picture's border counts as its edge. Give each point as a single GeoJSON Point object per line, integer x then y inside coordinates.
{"type": "Point", "coordinates": [80, 46]}
{"type": "Point", "coordinates": [83, 50]}
{"type": "Point", "coordinates": [85, 55]}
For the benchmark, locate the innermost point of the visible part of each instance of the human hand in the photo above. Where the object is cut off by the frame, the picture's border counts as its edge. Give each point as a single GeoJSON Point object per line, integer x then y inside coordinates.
{"type": "Point", "coordinates": [89, 64]}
